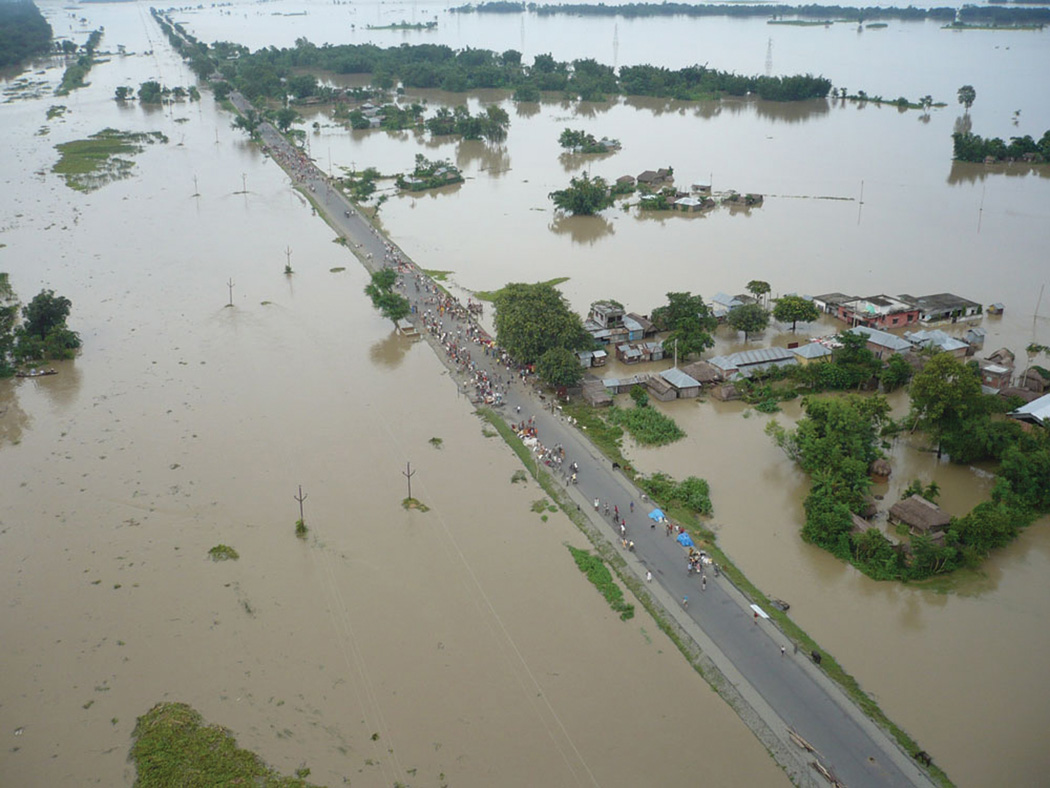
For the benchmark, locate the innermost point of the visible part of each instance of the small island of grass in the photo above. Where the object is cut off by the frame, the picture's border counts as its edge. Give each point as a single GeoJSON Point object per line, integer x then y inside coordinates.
{"type": "Point", "coordinates": [90, 164]}
{"type": "Point", "coordinates": [174, 746]}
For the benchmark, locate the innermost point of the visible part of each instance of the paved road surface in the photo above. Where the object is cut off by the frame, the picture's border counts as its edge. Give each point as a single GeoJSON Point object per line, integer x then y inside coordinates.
{"type": "Point", "coordinates": [771, 691]}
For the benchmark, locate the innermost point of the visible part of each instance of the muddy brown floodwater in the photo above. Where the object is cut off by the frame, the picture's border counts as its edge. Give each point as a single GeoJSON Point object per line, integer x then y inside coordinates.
{"type": "Point", "coordinates": [465, 637]}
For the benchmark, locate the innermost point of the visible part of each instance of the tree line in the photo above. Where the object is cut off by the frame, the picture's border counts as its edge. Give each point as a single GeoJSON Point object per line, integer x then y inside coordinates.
{"type": "Point", "coordinates": [23, 33]}
{"type": "Point", "coordinates": [270, 73]}
{"type": "Point", "coordinates": [967, 14]}
{"type": "Point", "coordinates": [972, 147]}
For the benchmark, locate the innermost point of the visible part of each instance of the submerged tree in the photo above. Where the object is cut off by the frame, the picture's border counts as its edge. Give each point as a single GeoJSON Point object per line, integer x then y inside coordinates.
{"type": "Point", "coordinates": [689, 322]}
{"type": "Point", "coordinates": [967, 95]}
{"type": "Point", "coordinates": [749, 318]}
{"type": "Point", "coordinates": [795, 308]}
{"type": "Point", "coordinates": [585, 196]}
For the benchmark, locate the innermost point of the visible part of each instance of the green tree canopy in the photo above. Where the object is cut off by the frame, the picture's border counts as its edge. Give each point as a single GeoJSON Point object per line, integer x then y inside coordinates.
{"type": "Point", "coordinates": [794, 308]}
{"type": "Point", "coordinates": [585, 196]}
{"type": "Point", "coordinates": [150, 92]}
{"type": "Point", "coordinates": [967, 95]}
{"type": "Point", "coordinates": [758, 288]}
{"type": "Point", "coordinates": [748, 318]}
{"type": "Point", "coordinates": [393, 306]}
{"type": "Point", "coordinates": [945, 395]}
{"type": "Point", "coordinates": [559, 367]}
{"type": "Point", "coordinates": [285, 117]}
{"type": "Point", "coordinates": [532, 319]}
{"type": "Point", "coordinates": [45, 312]}
{"type": "Point", "coordinates": [8, 319]}
{"type": "Point", "coordinates": [689, 322]}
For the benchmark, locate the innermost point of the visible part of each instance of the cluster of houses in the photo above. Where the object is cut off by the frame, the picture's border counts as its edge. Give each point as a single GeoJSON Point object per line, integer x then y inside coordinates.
{"type": "Point", "coordinates": [883, 311]}
{"type": "Point", "coordinates": [658, 185]}
{"type": "Point", "coordinates": [631, 338]}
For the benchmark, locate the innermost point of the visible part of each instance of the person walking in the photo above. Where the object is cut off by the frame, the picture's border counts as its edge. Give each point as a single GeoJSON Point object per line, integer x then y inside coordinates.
{"type": "Point", "coordinates": [703, 582]}
{"type": "Point", "coordinates": [782, 651]}
{"type": "Point", "coordinates": [685, 601]}
{"type": "Point", "coordinates": [649, 576]}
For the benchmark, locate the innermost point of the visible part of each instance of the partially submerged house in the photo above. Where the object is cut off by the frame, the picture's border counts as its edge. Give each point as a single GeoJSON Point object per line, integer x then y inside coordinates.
{"type": "Point", "coordinates": [829, 303]}
{"type": "Point", "coordinates": [623, 385]}
{"type": "Point", "coordinates": [685, 386]}
{"type": "Point", "coordinates": [811, 352]}
{"type": "Point", "coordinates": [748, 363]}
{"type": "Point", "coordinates": [994, 377]}
{"type": "Point", "coordinates": [923, 518]}
{"type": "Point", "coordinates": [1035, 412]}
{"type": "Point", "coordinates": [937, 339]}
{"type": "Point", "coordinates": [882, 343]}
{"type": "Point", "coordinates": [1036, 379]}
{"type": "Point", "coordinates": [941, 307]}
{"type": "Point", "coordinates": [878, 311]}
{"type": "Point", "coordinates": [655, 178]}
{"type": "Point", "coordinates": [721, 305]}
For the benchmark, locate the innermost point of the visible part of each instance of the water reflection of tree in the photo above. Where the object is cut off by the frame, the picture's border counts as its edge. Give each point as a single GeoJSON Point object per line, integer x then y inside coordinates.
{"type": "Point", "coordinates": [527, 109]}
{"type": "Point", "coordinates": [588, 109]}
{"type": "Point", "coordinates": [791, 111]}
{"type": "Point", "coordinates": [493, 159]}
{"type": "Point", "coordinates": [571, 162]}
{"type": "Point", "coordinates": [963, 172]}
{"type": "Point", "coordinates": [582, 229]}
{"type": "Point", "coordinates": [390, 352]}
{"type": "Point", "coordinates": [13, 420]}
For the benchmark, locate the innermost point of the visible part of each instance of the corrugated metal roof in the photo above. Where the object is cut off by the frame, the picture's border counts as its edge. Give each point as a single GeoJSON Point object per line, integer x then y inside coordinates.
{"type": "Point", "coordinates": [1038, 410]}
{"type": "Point", "coordinates": [884, 338]}
{"type": "Point", "coordinates": [679, 379]}
{"type": "Point", "coordinates": [811, 350]}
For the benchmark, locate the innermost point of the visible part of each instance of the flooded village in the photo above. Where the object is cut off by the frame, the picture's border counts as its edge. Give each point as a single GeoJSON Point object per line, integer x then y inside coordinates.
{"type": "Point", "coordinates": [185, 423]}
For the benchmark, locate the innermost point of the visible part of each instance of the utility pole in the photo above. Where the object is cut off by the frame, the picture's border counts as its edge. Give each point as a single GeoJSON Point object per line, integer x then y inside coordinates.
{"type": "Point", "coordinates": [408, 473]}
{"type": "Point", "coordinates": [229, 284]}
{"type": "Point", "coordinates": [244, 183]}
{"type": "Point", "coordinates": [196, 191]}
{"type": "Point", "coordinates": [300, 498]}
{"type": "Point", "coordinates": [288, 260]}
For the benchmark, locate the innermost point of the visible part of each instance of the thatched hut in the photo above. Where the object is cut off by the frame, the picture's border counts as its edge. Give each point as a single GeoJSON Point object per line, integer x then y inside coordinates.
{"type": "Point", "coordinates": [881, 469]}
{"type": "Point", "coordinates": [921, 516]}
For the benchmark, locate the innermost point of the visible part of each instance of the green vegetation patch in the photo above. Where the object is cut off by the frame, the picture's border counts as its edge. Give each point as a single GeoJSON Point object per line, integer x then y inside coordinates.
{"type": "Point", "coordinates": [56, 111]}
{"type": "Point", "coordinates": [598, 573]}
{"type": "Point", "coordinates": [223, 552]}
{"type": "Point", "coordinates": [173, 746]}
{"type": "Point", "coordinates": [647, 426]}
{"type": "Point", "coordinates": [692, 493]}
{"type": "Point", "coordinates": [436, 275]}
{"type": "Point", "coordinates": [413, 503]}
{"type": "Point", "coordinates": [90, 164]}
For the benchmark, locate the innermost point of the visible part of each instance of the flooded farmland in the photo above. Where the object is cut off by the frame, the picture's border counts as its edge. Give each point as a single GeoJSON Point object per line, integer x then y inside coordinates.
{"type": "Point", "coordinates": [465, 637]}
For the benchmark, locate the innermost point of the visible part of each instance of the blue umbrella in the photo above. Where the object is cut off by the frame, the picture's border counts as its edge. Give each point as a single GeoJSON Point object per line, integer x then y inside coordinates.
{"type": "Point", "coordinates": [656, 514]}
{"type": "Point", "coordinates": [685, 540]}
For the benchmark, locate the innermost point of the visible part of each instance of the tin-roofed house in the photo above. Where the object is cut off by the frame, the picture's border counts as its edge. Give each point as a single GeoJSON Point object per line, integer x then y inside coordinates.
{"type": "Point", "coordinates": [938, 340]}
{"type": "Point", "coordinates": [812, 352]}
{"type": "Point", "coordinates": [878, 311]}
{"type": "Point", "coordinates": [943, 307]}
{"type": "Point", "coordinates": [685, 386]}
{"type": "Point", "coordinates": [882, 343]}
